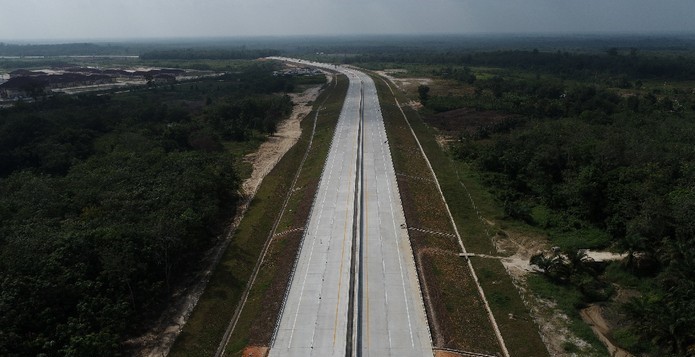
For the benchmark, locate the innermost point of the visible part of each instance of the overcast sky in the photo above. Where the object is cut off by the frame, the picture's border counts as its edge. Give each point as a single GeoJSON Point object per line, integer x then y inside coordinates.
{"type": "Point", "coordinates": [119, 19]}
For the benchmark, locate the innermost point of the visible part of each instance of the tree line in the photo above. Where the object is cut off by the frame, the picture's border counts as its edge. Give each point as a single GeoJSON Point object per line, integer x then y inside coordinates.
{"type": "Point", "coordinates": [560, 63]}
{"type": "Point", "coordinates": [218, 54]}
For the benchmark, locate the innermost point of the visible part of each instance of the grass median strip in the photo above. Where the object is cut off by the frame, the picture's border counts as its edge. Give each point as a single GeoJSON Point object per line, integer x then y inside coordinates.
{"type": "Point", "coordinates": [206, 326]}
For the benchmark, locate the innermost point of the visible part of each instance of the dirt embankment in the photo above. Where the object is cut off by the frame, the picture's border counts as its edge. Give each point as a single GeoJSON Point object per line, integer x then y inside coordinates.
{"type": "Point", "coordinates": [551, 322]}
{"type": "Point", "coordinates": [271, 151]}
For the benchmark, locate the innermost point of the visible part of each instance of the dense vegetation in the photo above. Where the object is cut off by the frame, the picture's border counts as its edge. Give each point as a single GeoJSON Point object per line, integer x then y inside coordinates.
{"type": "Point", "coordinates": [106, 200]}
{"type": "Point", "coordinates": [603, 162]}
{"type": "Point", "coordinates": [566, 65]}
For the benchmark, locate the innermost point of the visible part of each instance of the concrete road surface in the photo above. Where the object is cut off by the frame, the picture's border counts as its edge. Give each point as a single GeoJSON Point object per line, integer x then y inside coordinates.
{"type": "Point", "coordinates": [369, 303]}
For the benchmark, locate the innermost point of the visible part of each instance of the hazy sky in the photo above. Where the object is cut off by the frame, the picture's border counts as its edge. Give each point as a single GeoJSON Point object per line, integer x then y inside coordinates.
{"type": "Point", "coordinates": [111, 19]}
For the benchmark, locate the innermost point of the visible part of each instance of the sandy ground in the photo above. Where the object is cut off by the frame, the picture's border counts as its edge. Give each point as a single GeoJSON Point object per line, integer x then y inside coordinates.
{"type": "Point", "coordinates": [404, 84]}
{"type": "Point", "coordinates": [159, 340]}
{"type": "Point", "coordinates": [604, 256]}
{"type": "Point", "coordinates": [277, 145]}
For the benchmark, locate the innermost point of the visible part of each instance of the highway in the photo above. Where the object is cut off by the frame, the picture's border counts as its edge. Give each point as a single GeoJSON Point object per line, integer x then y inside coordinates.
{"type": "Point", "coordinates": [354, 289]}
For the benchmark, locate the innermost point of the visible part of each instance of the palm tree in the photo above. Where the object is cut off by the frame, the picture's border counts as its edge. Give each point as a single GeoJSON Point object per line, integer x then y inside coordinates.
{"type": "Point", "coordinates": [630, 245]}
{"type": "Point", "coordinates": [578, 260]}
{"type": "Point", "coordinates": [541, 261]}
{"type": "Point", "coordinates": [554, 267]}
{"type": "Point", "coordinates": [667, 321]}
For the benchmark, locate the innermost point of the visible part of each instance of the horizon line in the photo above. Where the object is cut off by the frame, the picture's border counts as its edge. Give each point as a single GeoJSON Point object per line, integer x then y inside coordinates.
{"type": "Point", "coordinates": [146, 39]}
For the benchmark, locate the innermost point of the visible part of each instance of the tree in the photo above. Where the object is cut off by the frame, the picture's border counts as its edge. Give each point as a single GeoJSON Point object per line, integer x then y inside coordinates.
{"type": "Point", "coordinates": [555, 267]}
{"type": "Point", "coordinates": [578, 260]}
{"type": "Point", "coordinates": [270, 126]}
{"type": "Point", "coordinates": [423, 92]}
{"type": "Point", "coordinates": [663, 321]}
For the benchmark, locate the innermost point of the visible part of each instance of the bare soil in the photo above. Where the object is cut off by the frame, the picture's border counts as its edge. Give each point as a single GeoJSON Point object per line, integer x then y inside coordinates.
{"type": "Point", "coordinates": [440, 353]}
{"type": "Point", "coordinates": [521, 248]}
{"type": "Point", "coordinates": [277, 145]}
{"type": "Point", "coordinates": [407, 85]}
{"type": "Point", "coordinates": [255, 351]}
{"type": "Point", "coordinates": [467, 120]}
{"type": "Point", "coordinates": [604, 256]}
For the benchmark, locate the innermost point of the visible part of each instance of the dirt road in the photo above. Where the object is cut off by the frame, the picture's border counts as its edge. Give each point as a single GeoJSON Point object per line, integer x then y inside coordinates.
{"type": "Point", "coordinates": [277, 145]}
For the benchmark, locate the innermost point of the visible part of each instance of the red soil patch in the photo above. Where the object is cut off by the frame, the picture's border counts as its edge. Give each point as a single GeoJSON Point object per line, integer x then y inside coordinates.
{"type": "Point", "coordinates": [255, 351]}
{"type": "Point", "coordinates": [469, 120]}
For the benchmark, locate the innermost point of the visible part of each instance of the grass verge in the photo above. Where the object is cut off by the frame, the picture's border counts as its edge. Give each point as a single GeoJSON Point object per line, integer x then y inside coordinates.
{"type": "Point", "coordinates": [516, 325]}
{"type": "Point", "coordinates": [208, 322]}
{"type": "Point", "coordinates": [455, 310]}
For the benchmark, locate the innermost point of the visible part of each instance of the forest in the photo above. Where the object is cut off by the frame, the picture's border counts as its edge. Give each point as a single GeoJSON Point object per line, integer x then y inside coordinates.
{"type": "Point", "coordinates": [107, 200]}
{"type": "Point", "coordinates": [600, 161]}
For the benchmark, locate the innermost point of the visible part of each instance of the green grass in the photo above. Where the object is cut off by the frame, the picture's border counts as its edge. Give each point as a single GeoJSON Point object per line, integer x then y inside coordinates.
{"type": "Point", "coordinates": [585, 238]}
{"type": "Point", "coordinates": [450, 176]}
{"type": "Point", "coordinates": [519, 330]}
{"type": "Point", "coordinates": [204, 330]}
{"type": "Point", "coordinates": [459, 307]}
{"type": "Point", "coordinates": [627, 339]}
